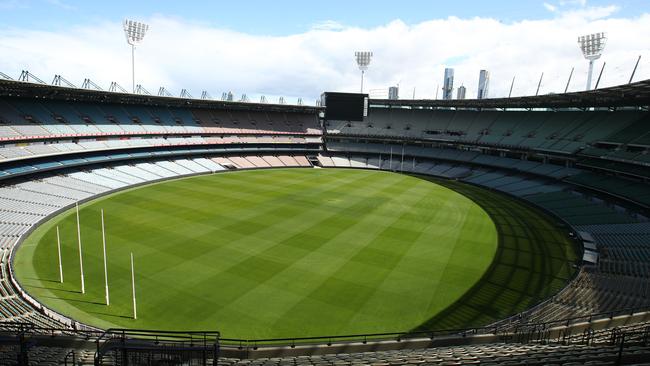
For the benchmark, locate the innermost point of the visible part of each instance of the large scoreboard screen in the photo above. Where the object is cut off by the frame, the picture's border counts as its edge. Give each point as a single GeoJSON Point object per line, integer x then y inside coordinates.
{"type": "Point", "coordinates": [345, 106]}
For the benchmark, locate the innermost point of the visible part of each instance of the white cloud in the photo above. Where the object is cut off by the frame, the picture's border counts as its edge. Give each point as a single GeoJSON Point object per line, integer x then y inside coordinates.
{"type": "Point", "coordinates": [592, 13]}
{"type": "Point", "coordinates": [579, 9]}
{"type": "Point", "coordinates": [573, 2]}
{"type": "Point", "coordinates": [550, 7]}
{"type": "Point", "coordinates": [179, 54]}
{"type": "Point", "coordinates": [328, 25]}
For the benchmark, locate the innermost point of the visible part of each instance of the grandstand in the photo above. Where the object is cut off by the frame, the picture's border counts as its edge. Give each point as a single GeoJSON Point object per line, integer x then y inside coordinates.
{"type": "Point", "coordinates": [582, 158]}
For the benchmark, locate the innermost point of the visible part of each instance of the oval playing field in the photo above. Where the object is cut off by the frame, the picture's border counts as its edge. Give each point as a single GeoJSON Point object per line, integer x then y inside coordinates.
{"type": "Point", "coordinates": [297, 252]}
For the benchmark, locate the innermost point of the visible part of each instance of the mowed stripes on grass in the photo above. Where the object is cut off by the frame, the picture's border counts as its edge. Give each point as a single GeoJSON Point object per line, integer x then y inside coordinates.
{"type": "Point", "coordinates": [268, 253]}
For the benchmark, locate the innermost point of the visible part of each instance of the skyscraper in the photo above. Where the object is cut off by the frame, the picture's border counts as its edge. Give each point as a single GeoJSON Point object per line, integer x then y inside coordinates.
{"type": "Point", "coordinates": [483, 84]}
{"type": "Point", "coordinates": [448, 87]}
{"type": "Point", "coordinates": [393, 93]}
{"type": "Point", "coordinates": [461, 92]}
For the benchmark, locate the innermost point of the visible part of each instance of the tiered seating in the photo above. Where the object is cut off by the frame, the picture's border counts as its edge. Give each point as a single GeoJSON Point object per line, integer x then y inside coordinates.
{"type": "Point", "coordinates": [209, 164]}
{"type": "Point", "coordinates": [492, 354]}
{"type": "Point", "coordinates": [593, 292]}
{"type": "Point", "coordinates": [192, 166]}
{"type": "Point", "coordinates": [47, 355]}
{"type": "Point", "coordinates": [636, 191]}
{"type": "Point", "coordinates": [637, 169]}
{"type": "Point", "coordinates": [117, 175]}
{"type": "Point", "coordinates": [620, 280]}
{"type": "Point", "coordinates": [635, 133]}
{"type": "Point", "coordinates": [241, 162]}
{"type": "Point", "coordinates": [258, 162]}
{"type": "Point", "coordinates": [225, 162]}
{"type": "Point", "coordinates": [176, 168]}
{"type": "Point", "coordinates": [10, 115]}
{"type": "Point", "coordinates": [98, 179]}
{"type": "Point", "coordinates": [156, 170]}
{"type": "Point", "coordinates": [137, 172]}
{"type": "Point", "coordinates": [79, 185]}
{"type": "Point", "coordinates": [395, 164]}
{"type": "Point", "coordinates": [456, 155]}
{"type": "Point", "coordinates": [512, 184]}
{"type": "Point", "coordinates": [625, 344]}
{"type": "Point", "coordinates": [342, 162]}
{"type": "Point", "coordinates": [57, 148]}
{"type": "Point", "coordinates": [301, 160]}
{"type": "Point", "coordinates": [325, 160]}
{"type": "Point", "coordinates": [549, 131]}
{"type": "Point", "coordinates": [273, 161]}
{"type": "Point", "coordinates": [288, 160]}
{"type": "Point", "coordinates": [578, 209]}
{"type": "Point", "coordinates": [539, 132]}
{"type": "Point", "coordinates": [32, 129]}
{"type": "Point", "coordinates": [624, 249]}
{"type": "Point", "coordinates": [522, 153]}
{"type": "Point", "coordinates": [358, 162]}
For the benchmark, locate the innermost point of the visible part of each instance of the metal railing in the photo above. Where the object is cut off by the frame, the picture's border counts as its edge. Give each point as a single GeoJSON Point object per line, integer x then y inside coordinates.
{"type": "Point", "coordinates": [70, 355]}
{"type": "Point", "coordinates": [197, 337]}
{"type": "Point", "coordinates": [137, 342]}
{"type": "Point", "coordinates": [161, 336]}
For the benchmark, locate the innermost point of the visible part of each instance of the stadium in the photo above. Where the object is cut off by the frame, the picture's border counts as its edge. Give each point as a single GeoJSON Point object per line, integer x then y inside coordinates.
{"type": "Point", "coordinates": [140, 229]}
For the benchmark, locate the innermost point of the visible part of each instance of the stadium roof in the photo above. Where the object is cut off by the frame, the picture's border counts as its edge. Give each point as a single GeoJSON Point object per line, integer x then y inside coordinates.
{"type": "Point", "coordinates": [628, 95]}
{"type": "Point", "coordinates": [12, 88]}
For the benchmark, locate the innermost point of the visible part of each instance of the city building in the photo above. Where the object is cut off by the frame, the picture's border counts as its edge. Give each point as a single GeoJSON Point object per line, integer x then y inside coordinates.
{"type": "Point", "coordinates": [448, 86]}
{"type": "Point", "coordinates": [483, 84]}
{"type": "Point", "coordinates": [461, 92]}
{"type": "Point", "coordinates": [393, 93]}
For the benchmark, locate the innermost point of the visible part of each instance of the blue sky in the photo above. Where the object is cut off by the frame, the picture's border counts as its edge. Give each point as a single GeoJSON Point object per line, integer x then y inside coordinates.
{"type": "Point", "coordinates": [300, 49]}
{"type": "Point", "coordinates": [282, 17]}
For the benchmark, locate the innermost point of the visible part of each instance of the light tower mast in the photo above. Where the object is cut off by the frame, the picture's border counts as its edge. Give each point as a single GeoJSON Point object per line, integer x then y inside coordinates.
{"type": "Point", "coordinates": [592, 46]}
{"type": "Point", "coordinates": [134, 32]}
{"type": "Point", "coordinates": [363, 60]}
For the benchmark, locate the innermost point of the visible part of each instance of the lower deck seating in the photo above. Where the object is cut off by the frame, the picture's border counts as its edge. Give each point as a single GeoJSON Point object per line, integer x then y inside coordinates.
{"type": "Point", "coordinates": [595, 291]}
{"type": "Point", "coordinates": [578, 209]}
{"type": "Point", "coordinates": [636, 191]}
{"type": "Point", "coordinates": [487, 354]}
{"type": "Point", "coordinates": [628, 343]}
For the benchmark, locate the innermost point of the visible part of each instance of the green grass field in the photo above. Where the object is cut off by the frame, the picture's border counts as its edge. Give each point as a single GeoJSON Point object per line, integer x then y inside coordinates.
{"type": "Point", "coordinates": [299, 252]}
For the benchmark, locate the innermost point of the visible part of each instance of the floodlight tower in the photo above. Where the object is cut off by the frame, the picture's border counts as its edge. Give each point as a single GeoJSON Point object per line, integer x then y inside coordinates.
{"type": "Point", "coordinates": [363, 60]}
{"type": "Point", "coordinates": [592, 46]}
{"type": "Point", "coordinates": [134, 32]}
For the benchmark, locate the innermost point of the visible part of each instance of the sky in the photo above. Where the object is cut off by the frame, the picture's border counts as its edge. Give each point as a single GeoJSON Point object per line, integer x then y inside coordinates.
{"type": "Point", "coordinates": [300, 49]}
